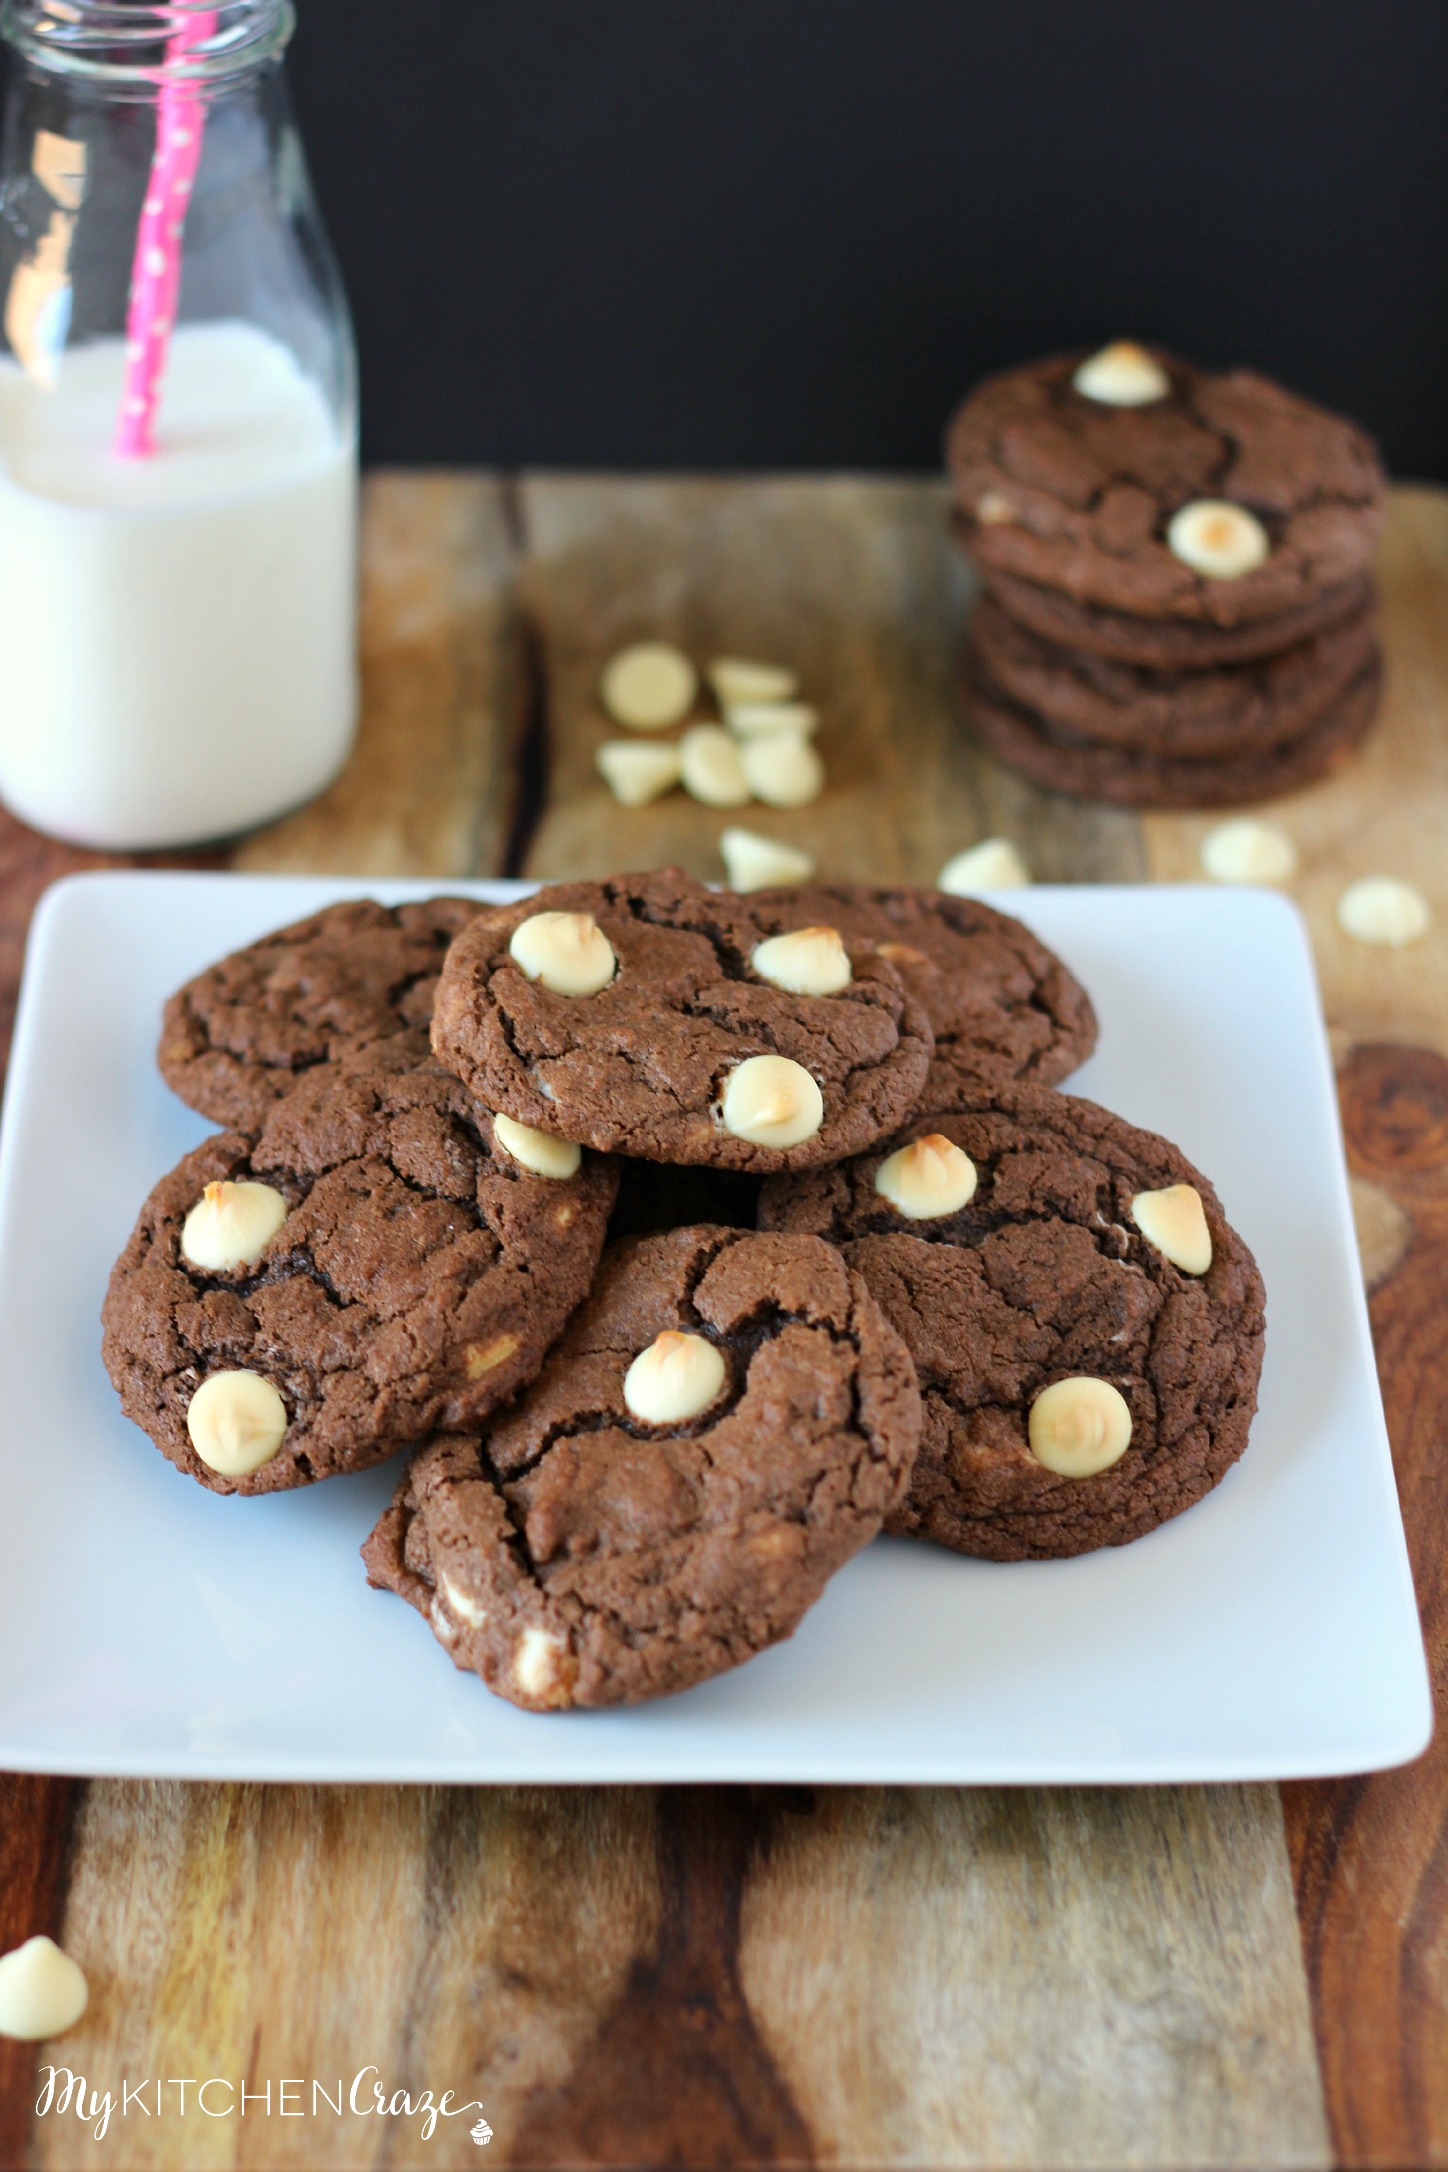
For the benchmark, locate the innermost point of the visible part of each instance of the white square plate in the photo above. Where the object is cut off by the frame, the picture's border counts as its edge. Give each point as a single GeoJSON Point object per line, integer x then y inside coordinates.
{"type": "Point", "coordinates": [149, 1627]}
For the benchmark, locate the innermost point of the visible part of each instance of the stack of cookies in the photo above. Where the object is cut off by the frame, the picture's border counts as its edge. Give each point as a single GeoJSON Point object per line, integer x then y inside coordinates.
{"type": "Point", "coordinates": [682, 1242]}
{"type": "Point", "coordinates": [1178, 607]}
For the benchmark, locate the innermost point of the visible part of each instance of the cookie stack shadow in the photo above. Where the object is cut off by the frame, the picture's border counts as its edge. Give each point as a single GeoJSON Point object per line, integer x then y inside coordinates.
{"type": "Point", "coordinates": [682, 1242]}
{"type": "Point", "coordinates": [1178, 605]}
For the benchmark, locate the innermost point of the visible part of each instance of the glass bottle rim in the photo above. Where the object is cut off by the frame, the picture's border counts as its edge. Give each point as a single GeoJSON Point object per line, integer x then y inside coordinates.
{"type": "Point", "coordinates": [125, 42]}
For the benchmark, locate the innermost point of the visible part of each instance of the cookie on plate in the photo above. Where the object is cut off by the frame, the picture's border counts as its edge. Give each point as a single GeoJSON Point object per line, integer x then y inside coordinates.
{"type": "Point", "coordinates": [324, 990]}
{"type": "Point", "coordinates": [1001, 1006]}
{"type": "Point", "coordinates": [725, 1423]}
{"type": "Point", "coordinates": [1147, 778]}
{"type": "Point", "coordinates": [1086, 1326]}
{"type": "Point", "coordinates": [385, 1259]}
{"type": "Point", "coordinates": [1222, 500]}
{"type": "Point", "coordinates": [646, 1015]}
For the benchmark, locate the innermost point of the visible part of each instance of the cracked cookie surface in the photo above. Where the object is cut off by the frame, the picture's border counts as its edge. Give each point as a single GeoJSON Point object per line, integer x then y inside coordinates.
{"type": "Point", "coordinates": [1071, 494]}
{"type": "Point", "coordinates": [418, 1279]}
{"type": "Point", "coordinates": [321, 991]}
{"type": "Point", "coordinates": [638, 1067]}
{"type": "Point", "coordinates": [576, 1555]}
{"type": "Point", "coordinates": [1044, 1275]}
{"type": "Point", "coordinates": [1001, 1005]}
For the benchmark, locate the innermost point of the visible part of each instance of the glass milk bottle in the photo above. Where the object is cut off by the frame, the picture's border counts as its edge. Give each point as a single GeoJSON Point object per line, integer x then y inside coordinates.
{"type": "Point", "coordinates": [178, 449]}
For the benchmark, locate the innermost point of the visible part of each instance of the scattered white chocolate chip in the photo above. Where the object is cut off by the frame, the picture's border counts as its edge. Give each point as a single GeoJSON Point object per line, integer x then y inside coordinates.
{"type": "Point", "coordinates": [636, 772]}
{"type": "Point", "coordinates": [782, 769]}
{"type": "Point", "coordinates": [1246, 850]}
{"type": "Point", "coordinates": [236, 1421]}
{"type": "Point", "coordinates": [752, 862]}
{"type": "Point", "coordinates": [710, 767]}
{"type": "Point", "coordinates": [736, 681]}
{"type": "Point", "coordinates": [465, 1608]}
{"type": "Point", "coordinates": [230, 1223]}
{"type": "Point", "coordinates": [675, 1378]}
{"type": "Point", "coordinates": [42, 1991]}
{"type": "Point", "coordinates": [929, 1177]}
{"type": "Point", "coordinates": [756, 719]}
{"type": "Point", "coordinates": [567, 952]}
{"type": "Point", "coordinates": [771, 1101]}
{"type": "Point", "coordinates": [539, 1668]}
{"type": "Point", "coordinates": [648, 686]}
{"type": "Point", "coordinates": [993, 865]}
{"type": "Point", "coordinates": [805, 961]}
{"type": "Point", "coordinates": [545, 1156]}
{"type": "Point", "coordinates": [1079, 1427]}
{"type": "Point", "coordinates": [995, 509]}
{"type": "Point", "coordinates": [1122, 375]}
{"type": "Point", "coordinates": [1218, 539]}
{"type": "Point", "coordinates": [1379, 909]}
{"type": "Point", "coordinates": [1175, 1221]}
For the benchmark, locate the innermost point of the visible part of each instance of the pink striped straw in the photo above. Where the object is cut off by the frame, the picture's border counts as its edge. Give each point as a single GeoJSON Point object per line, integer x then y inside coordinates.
{"type": "Point", "coordinates": [156, 270]}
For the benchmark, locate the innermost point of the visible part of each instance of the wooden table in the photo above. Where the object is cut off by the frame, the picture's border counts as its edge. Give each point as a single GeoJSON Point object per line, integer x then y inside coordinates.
{"type": "Point", "coordinates": [1185, 1976]}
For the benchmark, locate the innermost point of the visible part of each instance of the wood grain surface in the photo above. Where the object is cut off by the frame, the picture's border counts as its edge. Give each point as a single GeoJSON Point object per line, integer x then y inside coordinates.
{"type": "Point", "coordinates": [1027, 1978]}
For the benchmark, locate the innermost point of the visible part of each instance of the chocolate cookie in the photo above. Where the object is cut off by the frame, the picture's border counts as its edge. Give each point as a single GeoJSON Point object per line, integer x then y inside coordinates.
{"type": "Point", "coordinates": [642, 1016]}
{"type": "Point", "coordinates": [1173, 644]}
{"type": "Point", "coordinates": [1000, 1004]}
{"type": "Point", "coordinates": [725, 1423]}
{"type": "Point", "coordinates": [239, 1035]}
{"type": "Point", "coordinates": [1234, 709]}
{"type": "Point", "coordinates": [1167, 780]}
{"type": "Point", "coordinates": [1048, 1242]}
{"type": "Point", "coordinates": [377, 1264]}
{"type": "Point", "coordinates": [1081, 495]}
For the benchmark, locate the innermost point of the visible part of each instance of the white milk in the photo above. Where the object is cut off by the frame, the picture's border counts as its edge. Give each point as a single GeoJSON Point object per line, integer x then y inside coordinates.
{"type": "Point", "coordinates": [178, 634]}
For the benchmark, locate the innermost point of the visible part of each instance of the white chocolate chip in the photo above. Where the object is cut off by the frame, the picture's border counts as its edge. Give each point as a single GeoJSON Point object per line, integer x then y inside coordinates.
{"type": "Point", "coordinates": [771, 1101]}
{"type": "Point", "coordinates": [230, 1224]}
{"type": "Point", "coordinates": [237, 1421]}
{"type": "Point", "coordinates": [42, 1991]}
{"type": "Point", "coordinates": [736, 681]}
{"type": "Point", "coordinates": [710, 767]}
{"type": "Point", "coordinates": [1218, 539]}
{"type": "Point", "coordinates": [756, 720]}
{"type": "Point", "coordinates": [782, 769]}
{"type": "Point", "coordinates": [995, 509]}
{"type": "Point", "coordinates": [1175, 1221]}
{"type": "Point", "coordinates": [993, 865]}
{"type": "Point", "coordinates": [675, 1378]}
{"type": "Point", "coordinates": [539, 1669]}
{"type": "Point", "coordinates": [1079, 1427]}
{"type": "Point", "coordinates": [805, 961]}
{"type": "Point", "coordinates": [545, 1156]}
{"type": "Point", "coordinates": [929, 1177]}
{"type": "Point", "coordinates": [1380, 910]}
{"type": "Point", "coordinates": [636, 772]}
{"type": "Point", "coordinates": [648, 686]}
{"type": "Point", "coordinates": [752, 862]}
{"type": "Point", "coordinates": [1246, 850]}
{"type": "Point", "coordinates": [567, 952]}
{"type": "Point", "coordinates": [1122, 375]}
{"type": "Point", "coordinates": [466, 1609]}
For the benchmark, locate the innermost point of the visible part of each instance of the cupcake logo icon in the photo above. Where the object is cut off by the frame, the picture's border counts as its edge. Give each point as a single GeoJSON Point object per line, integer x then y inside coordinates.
{"type": "Point", "coordinates": [481, 2133]}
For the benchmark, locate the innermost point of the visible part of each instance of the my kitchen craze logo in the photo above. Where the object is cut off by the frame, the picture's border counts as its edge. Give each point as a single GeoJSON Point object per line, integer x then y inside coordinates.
{"type": "Point", "coordinates": [217, 2097]}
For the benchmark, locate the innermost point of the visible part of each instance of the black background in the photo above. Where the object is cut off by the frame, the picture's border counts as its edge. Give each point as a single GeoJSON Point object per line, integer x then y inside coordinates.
{"type": "Point", "coordinates": [792, 232]}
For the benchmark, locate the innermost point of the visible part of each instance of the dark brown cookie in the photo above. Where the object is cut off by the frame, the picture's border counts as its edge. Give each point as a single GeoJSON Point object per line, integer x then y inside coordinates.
{"type": "Point", "coordinates": [1234, 709]}
{"type": "Point", "coordinates": [418, 1279]}
{"type": "Point", "coordinates": [1000, 1004]}
{"type": "Point", "coordinates": [1173, 644]}
{"type": "Point", "coordinates": [242, 1033]}
{"type": "Point", "coordinates": [663, 1059]}
{"type": "Point", "coordinates": [1164, 780]}
{"type": "Point", "coordinates": [580, 1555]}
{"type": "Point", "coordinates": [1045, 1275]}
{"type": "Point", "coordinates": [1077, 495]}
